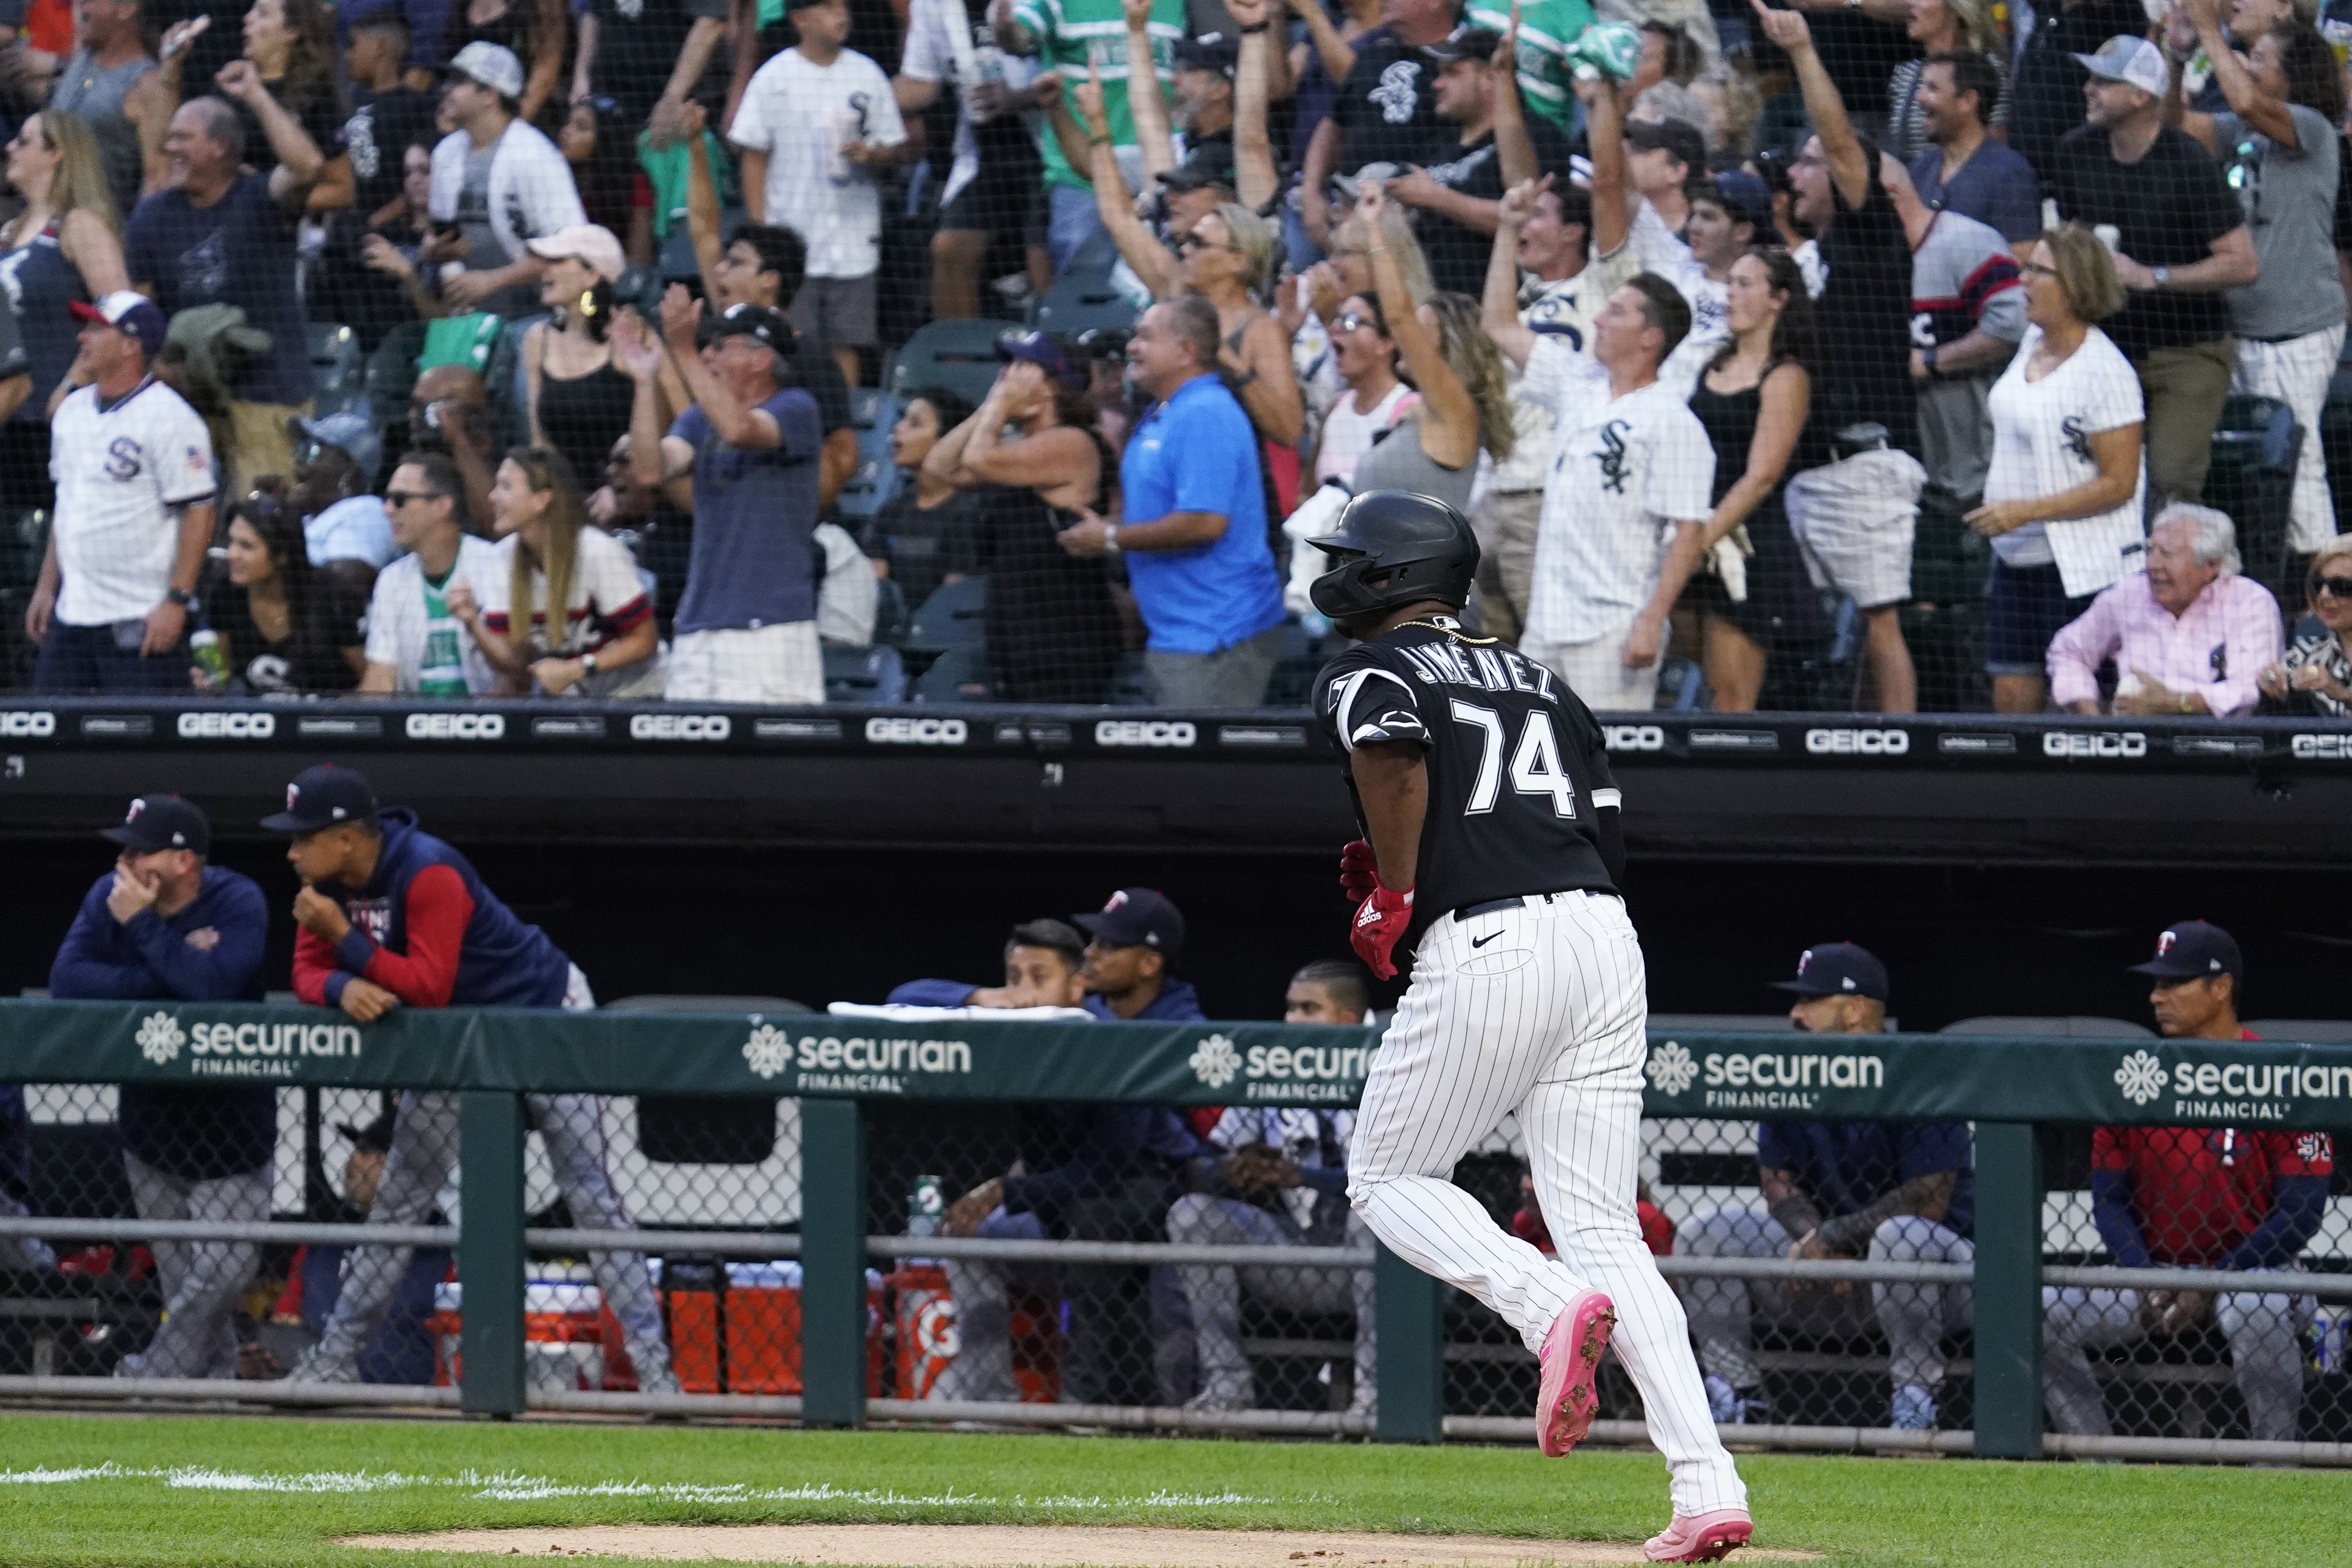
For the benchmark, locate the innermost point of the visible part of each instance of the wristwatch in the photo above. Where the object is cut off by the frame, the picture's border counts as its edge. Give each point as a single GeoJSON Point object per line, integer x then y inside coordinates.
{"type": "Point", "coordinates": [2163, 275]}
{"type": "Point", "coordinates": [1928, 361]}
{"type": "Point", "coordinates": [179, 596]}
{"type": "Point", "coordinates": [587, 664]}
{"type": "Point", "coordinates": [1110, 538]}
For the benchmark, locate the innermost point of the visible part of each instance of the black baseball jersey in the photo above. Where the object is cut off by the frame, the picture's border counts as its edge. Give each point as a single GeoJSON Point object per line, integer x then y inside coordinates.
{"type": "Point", "coordinates": [1520, 796]}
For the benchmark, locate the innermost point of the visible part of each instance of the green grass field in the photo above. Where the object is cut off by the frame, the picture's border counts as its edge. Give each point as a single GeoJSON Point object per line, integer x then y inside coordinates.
{"type": "Point", "coordinates": [151, 1490]}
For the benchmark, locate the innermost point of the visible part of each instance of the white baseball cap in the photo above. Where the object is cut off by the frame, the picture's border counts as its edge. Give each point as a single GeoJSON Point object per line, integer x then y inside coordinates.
{"type": "Point", "coordinates": [2135, 62]}
{"type": "Point", "coordinates": [591, 242]}
{"type": "Point", "coordinates": [492, 65]}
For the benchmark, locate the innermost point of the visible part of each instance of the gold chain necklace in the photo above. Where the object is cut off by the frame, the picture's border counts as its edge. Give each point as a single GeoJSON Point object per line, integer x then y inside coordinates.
{"type": "Point", "coordinates": [1455, 631]}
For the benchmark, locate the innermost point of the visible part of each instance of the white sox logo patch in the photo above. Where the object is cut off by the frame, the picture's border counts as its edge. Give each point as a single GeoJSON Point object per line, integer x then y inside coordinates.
{"type": "Point", "coordinates": [1398, 90]}
{"type": "Point", "coordinates": [1611, 456]}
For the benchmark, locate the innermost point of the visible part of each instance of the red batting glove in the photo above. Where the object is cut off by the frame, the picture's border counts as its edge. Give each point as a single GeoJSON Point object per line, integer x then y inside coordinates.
{"type": "Point", "coordinates": [1380, 920]}
{"type": "Point", "coordinates": [1359, 871]}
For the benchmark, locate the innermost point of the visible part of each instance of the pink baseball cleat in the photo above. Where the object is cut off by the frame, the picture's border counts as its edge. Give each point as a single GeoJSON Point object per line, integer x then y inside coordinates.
{"type": "Point", "coordinates": [1571, 1357]}
{"type": "Point", "coordinates": [1700, 1538]}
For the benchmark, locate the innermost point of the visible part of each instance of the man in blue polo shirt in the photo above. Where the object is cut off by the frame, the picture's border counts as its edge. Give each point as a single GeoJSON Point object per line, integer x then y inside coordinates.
{"type": "Point", "coordinates": [1194, 534]}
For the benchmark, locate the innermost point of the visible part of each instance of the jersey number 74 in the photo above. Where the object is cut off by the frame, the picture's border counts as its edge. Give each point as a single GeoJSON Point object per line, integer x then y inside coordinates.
{"type": "Point", "coordinates": [1535, 761]}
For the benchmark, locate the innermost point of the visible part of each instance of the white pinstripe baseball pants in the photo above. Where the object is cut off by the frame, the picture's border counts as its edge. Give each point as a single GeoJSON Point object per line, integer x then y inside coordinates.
{"type": "Point", "coordinates": [2296, 371]}
{"type": "Point", "coordinates": [1539, 1010]}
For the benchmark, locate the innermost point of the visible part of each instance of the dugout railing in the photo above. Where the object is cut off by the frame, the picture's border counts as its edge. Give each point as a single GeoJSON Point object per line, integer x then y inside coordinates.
{"type": "Point", "coordinates": [856, 1102]}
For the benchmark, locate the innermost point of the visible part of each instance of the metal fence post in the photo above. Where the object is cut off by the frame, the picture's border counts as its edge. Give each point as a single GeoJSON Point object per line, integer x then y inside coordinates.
{"type": "Point", "coordinates": [1411, 1309]}
{"type": "Point", "coordinates": [489, 1251]}
{"type": "Point", "coordinates": [832, 1263]}
{"type": "Point", "coordinates": [2009, 1291]}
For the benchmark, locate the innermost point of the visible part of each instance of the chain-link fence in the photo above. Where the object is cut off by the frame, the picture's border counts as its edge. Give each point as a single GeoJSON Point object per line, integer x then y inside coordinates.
{"type": "Point", "coordinates": [685, 1252]}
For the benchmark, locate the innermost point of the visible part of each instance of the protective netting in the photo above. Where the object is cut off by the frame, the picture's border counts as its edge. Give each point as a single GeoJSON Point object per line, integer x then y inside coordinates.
{"type": "Point", "coordinates": [423, 233]}
{"type": "Point", "coordinates": [88, 1297]}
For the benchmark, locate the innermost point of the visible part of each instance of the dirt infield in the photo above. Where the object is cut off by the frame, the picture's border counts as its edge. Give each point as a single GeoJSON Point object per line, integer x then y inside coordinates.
{"type": "Point", "coordinates": [1009, 1546]}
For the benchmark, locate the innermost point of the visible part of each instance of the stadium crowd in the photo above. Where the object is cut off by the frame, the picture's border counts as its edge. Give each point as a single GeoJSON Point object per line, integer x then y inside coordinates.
{"type": "Point", "coordinates": [1853, 353]}
{"type": "Point", "coordinates": [390, 917]}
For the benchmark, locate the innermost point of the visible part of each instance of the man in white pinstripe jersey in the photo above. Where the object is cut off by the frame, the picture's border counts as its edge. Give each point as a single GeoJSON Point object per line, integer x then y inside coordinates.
{"type": "Point", "coordinates": [1491, 855]}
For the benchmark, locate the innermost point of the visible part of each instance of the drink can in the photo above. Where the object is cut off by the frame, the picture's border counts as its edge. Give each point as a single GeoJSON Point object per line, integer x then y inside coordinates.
{"type": "Point", "coordinates": [2327, 1339]}
{"type": "Point", "coordinates": [210, 658]}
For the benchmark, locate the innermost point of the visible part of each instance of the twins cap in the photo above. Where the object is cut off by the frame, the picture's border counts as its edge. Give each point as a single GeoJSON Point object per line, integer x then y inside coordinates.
{"type": "Point", "coordinates": [324, 797]}
{"type": "Point", "coordinates": [591, 242]}
{"type": "Point", "coordinates": [162, 822]}
{"type": "Point", "coordinates": [2135, 62]}
{"type": "Point", "coordinates": [1747, 199]}
{"type": "Point", "coordinates": [492, 65]}
{"type": "Point", "coordinates": [2191, 948]}
{"type": "Point", "coordinates": [1137, 917]}
{"type": "Point", "coordinates": [1042, 351]}
{"type": "Point", "coordinates": [1837, 969]}
{"type": "Point", "coordinates": [127, 310]}
{"type": "Point", "coordinates": [770, 327]}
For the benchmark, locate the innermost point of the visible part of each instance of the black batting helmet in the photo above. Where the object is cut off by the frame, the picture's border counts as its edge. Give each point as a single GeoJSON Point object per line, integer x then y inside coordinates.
{"type": "Point", "coordinates": [1393, 548]}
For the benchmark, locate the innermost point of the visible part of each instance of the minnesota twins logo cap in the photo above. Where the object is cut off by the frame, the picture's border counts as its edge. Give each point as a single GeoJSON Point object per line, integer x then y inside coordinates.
{"type": "Point", "coordinates": [1837, 969]}
{"type": "Point", "coordinates": [2193, 948]}
{"type": "Point", "coordinates": [162, 822]}
{"type": "Point", "coordinates": [324, 797]}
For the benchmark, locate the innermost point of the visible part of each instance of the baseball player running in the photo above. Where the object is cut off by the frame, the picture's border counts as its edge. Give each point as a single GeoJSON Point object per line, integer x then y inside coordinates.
{"type": "Point", "coordinates": [392, 917]}
{"type": "Point", "coordinates": [1491, 854]}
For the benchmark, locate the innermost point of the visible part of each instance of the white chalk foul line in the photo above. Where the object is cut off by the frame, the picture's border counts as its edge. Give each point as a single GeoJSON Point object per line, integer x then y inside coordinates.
{"type": "Point", "coordinates": [507, 1487]}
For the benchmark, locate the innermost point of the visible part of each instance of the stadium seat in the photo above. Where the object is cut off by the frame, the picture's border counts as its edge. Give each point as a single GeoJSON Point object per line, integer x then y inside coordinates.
{"type": "Point", "coordinates": [338, 368]}
{"type": "Point", "coordinates": [23, 540]}
{"type": "Point", "coordinates": [872, 413]}
{"type": "Point", "coordinates": [959, 675]}
{"type": "Point", "coordinates": [2304, 1031]}
{"type": "Point", "coordinates": [716, 1130]}
{"type": "Point", "coordinates": [1084, 296]}
{"type": "Point", "coordinates": [2071, 1027]}
{"type": "Point", "coordinates": [959, 355]}
{"type": "Point", "coordinates": [954, 616]}
{"type": "Point", "coordinates": [869, 675]}
{"type": "Point", "coordinates": [2253, 479]}
{"type": "Point", "coordinates": [889, 614]}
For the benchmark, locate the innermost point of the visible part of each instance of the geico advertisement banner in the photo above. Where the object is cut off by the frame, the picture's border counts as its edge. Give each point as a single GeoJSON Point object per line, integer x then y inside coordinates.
{"type": "Point", "coordinates": [935, 1054]}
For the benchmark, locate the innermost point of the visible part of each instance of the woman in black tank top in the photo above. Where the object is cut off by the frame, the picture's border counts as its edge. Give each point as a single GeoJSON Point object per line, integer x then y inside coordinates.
{"type": "Point", "coordinates": [1054, 630]}
{"type": "Point", "coordinates": [1754, 400]}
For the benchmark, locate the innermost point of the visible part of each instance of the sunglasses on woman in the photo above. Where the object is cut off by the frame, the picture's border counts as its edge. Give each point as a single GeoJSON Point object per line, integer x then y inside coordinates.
{"type": "Point", "coordinates": [2333, 587]}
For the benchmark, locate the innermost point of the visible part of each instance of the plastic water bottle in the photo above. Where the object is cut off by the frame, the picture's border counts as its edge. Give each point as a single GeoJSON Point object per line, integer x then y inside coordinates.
{"type": "Point", "coordinates": [210, 658]}
{"type": "Point", "coordinates": [927, 1205]}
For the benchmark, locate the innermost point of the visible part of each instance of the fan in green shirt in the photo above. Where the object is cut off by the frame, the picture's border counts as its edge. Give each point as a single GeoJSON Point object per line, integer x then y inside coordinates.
{"type": "Point", "coordinates": [1547, 29]}
{"type": "Point", "coordinates": [1065, 34]}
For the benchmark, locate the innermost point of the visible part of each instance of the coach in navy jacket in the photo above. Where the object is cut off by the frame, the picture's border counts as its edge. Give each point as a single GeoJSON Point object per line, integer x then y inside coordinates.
{"type": "Point", "coordinates": [162, 924]}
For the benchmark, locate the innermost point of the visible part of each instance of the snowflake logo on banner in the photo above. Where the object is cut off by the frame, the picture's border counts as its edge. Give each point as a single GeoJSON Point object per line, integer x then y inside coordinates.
{"type": "Point", "coordinates": [767, 1050]}
{"type": "Point", "coordinates": [159, 1037]}
{"type": "Point", "coordinates": [1671, 1067]}
{"type": "Point", "coordinates": [1214, 1061]}
{"type": "Point", "coordinates": [2141, 1078]}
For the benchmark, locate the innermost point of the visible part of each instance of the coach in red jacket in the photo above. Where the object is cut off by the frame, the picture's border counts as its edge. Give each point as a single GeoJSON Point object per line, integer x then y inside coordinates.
{"type": "Point", "coordinates": [392, 917]}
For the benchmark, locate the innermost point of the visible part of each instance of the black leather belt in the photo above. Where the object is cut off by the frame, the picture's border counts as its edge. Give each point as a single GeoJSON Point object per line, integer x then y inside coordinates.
{"type": "Point", "coordinates": [1497, 906]}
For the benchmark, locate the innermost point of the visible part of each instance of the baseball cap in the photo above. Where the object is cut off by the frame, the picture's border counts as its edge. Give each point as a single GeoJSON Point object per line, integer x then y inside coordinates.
{"type": "Point", "coordinates": [1467, 44]}
{"type": "Point", "coordinates": [1837, 969]}
{"type": "Point", "coordinates": [163, 821]}
{"type": "Point", "coordinates": [591, 242]}
{"type": "Point", "coordinates": [375, 1134]}
{"type": "Point", "coordinates": [1680, 137]}
{"type": "Point", "coordinates": [2191, 948]}
{"type": "Point", "coordinates": [1747, 199]}
{"type": "Point", "coordinates": [752, 321]}
{"type": "Point", "coordinates": [492, 65]}
{"type": "Point", "coordinates": [1137, 917]}
{"type": "Point", "coordinates": [127, 310]}
{"type": "Point", "coordinates": [2133, 61]}
{"type": "Point", "coordinates": [1209, 52]}
{"type": "Point", "coordinates": [1202, 167]}
{"type": "Point", "coordinates": [324, 797]}
{"type": "Point", "coordinates": [1040, 350]}
{"type": "Point", "coordinates": [350, 433]}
